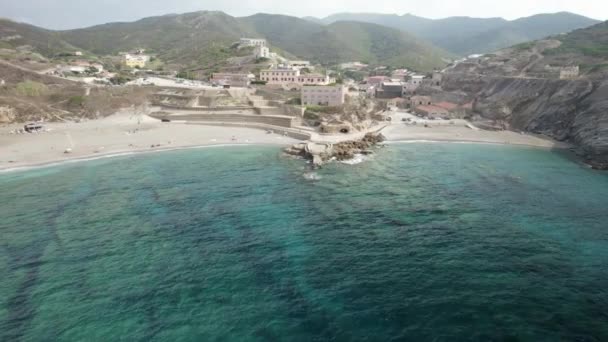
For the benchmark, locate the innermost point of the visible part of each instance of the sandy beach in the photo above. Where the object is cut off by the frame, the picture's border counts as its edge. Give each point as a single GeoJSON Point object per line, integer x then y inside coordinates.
{"type": "Point", "coordinates": [118, 134]}
{"type": "Point", "coordinates": [401, 132]}
{"type": "Point", "coordinates": [130, 133]}
{"type": "Point", "coordinates": [458, 131]}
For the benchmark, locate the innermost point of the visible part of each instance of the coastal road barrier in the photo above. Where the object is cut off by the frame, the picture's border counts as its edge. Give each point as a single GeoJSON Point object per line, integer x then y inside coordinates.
{"type": "Point", "coordinates": [274, 120]}
{"type": "Point", "coordinates": [288, 132]}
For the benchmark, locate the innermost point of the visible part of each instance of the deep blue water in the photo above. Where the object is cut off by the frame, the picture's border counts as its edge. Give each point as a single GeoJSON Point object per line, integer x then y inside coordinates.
{"type": "Point", "coordinates": [426, 242]}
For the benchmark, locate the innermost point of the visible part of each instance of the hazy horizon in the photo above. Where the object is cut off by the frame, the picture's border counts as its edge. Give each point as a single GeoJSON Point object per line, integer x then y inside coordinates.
{"type": "Point", "coordinates": [70, 14]}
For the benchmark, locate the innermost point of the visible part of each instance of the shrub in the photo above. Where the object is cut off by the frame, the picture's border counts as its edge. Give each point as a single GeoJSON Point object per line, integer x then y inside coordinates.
{"type": "Point", "coordinates": [31, 88]}
{"type": "Point", "coordinates": [294, 101]}
{"type": "Point", "coordinates": [185, 75]}
{"type": "Point", "coordinates": [76, 101]}
{"type": "Point", "coordinates": [119, 80]}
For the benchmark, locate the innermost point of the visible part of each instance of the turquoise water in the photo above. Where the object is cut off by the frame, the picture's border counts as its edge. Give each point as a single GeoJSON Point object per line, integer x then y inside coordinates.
{"type": "Point", "coordinates": [427, 242]}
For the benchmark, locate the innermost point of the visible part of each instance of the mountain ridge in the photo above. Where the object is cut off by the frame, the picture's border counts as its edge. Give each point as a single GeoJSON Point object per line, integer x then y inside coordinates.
{"type": "Point", "coordinates": [463, 35]}
{"type": "Point", "coordinates": [205, 37]}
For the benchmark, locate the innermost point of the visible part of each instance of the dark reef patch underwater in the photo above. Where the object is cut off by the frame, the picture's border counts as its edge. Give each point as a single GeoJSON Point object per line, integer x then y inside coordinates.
{"type": "Point", "coordinates": [427, 242]}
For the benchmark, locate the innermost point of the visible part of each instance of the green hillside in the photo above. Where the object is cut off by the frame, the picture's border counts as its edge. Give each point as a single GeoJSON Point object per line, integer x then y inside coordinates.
{"type": "Point", "coordinates": [13, 35]}
{"type": "Point", "coordinates": [464, 35]}
{"type": "Point", "coordinates": [590, 42]}
{"type": "Point", "coordinates": [203, 39]}
{"type": "Point", "coordinates": [347, 41]}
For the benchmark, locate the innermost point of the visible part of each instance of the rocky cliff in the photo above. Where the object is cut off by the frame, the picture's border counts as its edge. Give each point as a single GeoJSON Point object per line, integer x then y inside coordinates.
{"type": "Point", "coordinates": [573, 111]}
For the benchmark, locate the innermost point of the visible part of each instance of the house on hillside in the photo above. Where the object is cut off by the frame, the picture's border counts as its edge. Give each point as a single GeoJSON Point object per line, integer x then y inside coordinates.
{"type": "Point", "coordinates": [245, 42]}
{"type": "Point", "coordinates": [568, 73]}
{"type": "Point", "coordinates": [418, 100]}
{"type": "Point", "coordinates": [261, 52]}
{"type": "Point", "coordinates": [136, 61]}
{"type": "Point", "coordinates": [412, 84]}
{"type": "Point", "coordinates": [291, 77]}
{"type": "Point", "coordinates": [389, 90]}
{"type": "Point", "coordinates": [323, 95]}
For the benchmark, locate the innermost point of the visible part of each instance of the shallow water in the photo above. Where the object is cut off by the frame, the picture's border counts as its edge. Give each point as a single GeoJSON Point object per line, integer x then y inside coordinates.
{"type": "Point", "coordinates": [425, 242]}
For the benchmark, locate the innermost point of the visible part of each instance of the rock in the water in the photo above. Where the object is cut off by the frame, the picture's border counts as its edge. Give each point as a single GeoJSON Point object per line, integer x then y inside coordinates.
{"type": "Point", "coordinates": [320, 154]}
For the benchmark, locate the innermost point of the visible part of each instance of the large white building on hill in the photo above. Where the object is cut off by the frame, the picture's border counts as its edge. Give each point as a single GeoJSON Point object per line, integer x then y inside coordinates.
{"type": "Point", "coordinates": [290, 77]}
{"type": "Point", "coordinates": [262, 52]}
{"type": "Point", "coordinates": [252, 42]}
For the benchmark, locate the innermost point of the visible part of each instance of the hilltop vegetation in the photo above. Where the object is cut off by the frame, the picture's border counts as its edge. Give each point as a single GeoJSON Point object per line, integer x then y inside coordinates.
{"type": "Point", "coordinates": [464, 35]}
{"type": "Point", "coordinates": [591, 42]}
{"type": "Point", "coordinates": [586, 48]}
{"type": "Point", "coordinates": [203, 39]}
{"type": "Point", "coordinates": [347, 41]}
{"type": "Point", "coordinates": [13, 35]}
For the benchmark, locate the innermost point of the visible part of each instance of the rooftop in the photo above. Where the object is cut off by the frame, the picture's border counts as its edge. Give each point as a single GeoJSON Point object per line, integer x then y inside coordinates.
{"type": "Point", "coordinates": [447, 105]}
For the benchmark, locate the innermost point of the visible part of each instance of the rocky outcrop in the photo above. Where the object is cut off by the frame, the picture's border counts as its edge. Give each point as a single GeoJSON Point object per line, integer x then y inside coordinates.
{"type": "Point", "coordinates": [348, 149]}
{"type": "Point", "coordinates": [572, 111]}
{"type": "Point", "coordinates": [320, 154]}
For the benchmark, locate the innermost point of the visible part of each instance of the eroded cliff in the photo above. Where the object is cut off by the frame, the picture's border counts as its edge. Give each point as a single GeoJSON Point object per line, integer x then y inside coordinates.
{"type": "Point", "coordinates": [575, 111]}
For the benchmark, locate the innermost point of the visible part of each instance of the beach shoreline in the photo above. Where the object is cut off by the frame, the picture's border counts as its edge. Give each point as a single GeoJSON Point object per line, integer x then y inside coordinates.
{"type": "Point", "coordinates": [129, 134]}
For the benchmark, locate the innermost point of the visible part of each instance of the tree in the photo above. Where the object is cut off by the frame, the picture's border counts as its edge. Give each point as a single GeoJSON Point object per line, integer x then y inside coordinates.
{"type": "Point", "coordinates": [119, 80]}
{"type": "Point", "coordinates": [185, 75]}
{"type": "Point", "coordinates": [92, 70]}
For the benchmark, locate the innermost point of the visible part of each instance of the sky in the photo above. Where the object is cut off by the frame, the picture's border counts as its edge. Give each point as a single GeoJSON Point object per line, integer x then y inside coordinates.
{"type": "Point", "coordinates": [67, 14]}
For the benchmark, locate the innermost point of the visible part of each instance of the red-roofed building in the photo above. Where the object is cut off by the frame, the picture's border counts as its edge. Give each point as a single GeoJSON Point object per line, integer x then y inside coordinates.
{"type": "Point", "coordinates": [450, 106]}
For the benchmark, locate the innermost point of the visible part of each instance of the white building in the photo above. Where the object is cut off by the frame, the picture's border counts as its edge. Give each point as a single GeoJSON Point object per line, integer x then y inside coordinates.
{"type": "Point", "coordinates": [262, 52]}
{"type": "Point", "coordinates": [293, 77]}
{"type": "Point", "coordinates": [139, 61]}
{"type": "Point", "coordinates": [323, 95]}
{"type": "Point", "coordinates": [353, 66]}
{"type": "Point", "coordinates": [569, 72]}
{"type": "Point", "coordinates": [298, 64]}
{"type": "Point", "coordinates": [252, 42]}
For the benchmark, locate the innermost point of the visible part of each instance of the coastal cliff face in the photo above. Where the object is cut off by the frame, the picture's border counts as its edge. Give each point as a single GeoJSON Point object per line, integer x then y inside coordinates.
{"type": "Point", "coordinates": [570, 111]}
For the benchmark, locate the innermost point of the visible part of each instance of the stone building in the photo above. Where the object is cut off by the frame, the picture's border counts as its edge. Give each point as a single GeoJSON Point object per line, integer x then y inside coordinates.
{"type": "Point", "coordinates": [323, 95]}
{"type": "Point", "coordinates": [567, 73]}
{"type": "Point", "coordinates": [389, 90]}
